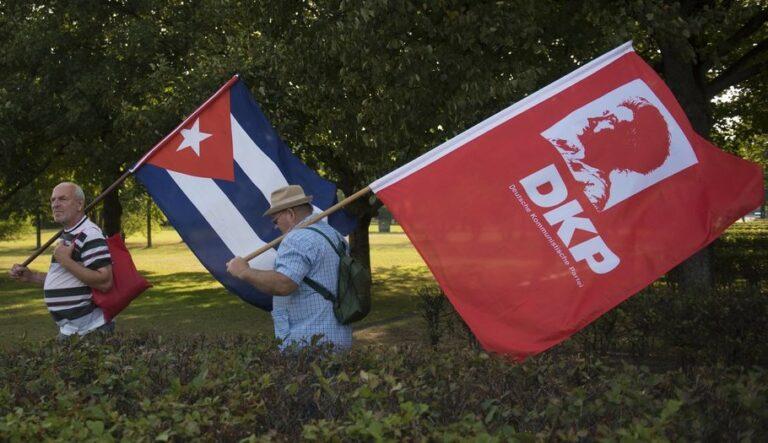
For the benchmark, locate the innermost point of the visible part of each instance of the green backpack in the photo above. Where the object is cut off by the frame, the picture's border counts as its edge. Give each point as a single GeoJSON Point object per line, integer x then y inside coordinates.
{"type": "Point", "coordinates": [354, 300]}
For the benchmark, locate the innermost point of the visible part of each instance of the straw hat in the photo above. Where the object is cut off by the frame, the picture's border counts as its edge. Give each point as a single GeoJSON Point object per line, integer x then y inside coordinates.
{"type": "Point", "coordinates": [287, 197]}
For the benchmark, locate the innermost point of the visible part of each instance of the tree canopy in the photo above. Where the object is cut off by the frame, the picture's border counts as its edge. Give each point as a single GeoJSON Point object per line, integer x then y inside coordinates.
{"type": "Point", "coordinates": [356, 88]}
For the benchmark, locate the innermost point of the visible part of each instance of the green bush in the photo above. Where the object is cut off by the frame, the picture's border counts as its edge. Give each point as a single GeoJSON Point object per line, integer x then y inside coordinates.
{"type": "Point", "coordinates": [741, 255]}
{"type": "Point", "coordinates": [684, 328]}
{"type": "Point", "coordinates": [150, 388]}
{"type": "Point", "coordinates": [665, 324]}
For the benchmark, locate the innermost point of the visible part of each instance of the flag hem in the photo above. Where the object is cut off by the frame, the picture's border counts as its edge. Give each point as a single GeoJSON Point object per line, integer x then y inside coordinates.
{"type": "Point", "coordinates": [488, 124]}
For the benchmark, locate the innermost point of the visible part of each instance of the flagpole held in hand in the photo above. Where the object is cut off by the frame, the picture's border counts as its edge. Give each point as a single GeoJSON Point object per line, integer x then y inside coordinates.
{"type": "Point", "coordinates": [131, 170]}
{"type": "Point", "coordinates": [87, 209]}
{"type": "Point", "coordinates": [311, 221]}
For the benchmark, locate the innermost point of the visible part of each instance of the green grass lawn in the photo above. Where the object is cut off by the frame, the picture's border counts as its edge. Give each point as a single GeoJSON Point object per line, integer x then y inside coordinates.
{"type": "Point", "coordinates": [185, 299]}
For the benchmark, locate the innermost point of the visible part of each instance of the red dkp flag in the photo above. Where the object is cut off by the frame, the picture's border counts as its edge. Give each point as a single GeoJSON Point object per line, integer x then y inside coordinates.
{"type": "Point", "coordinates": [543, 217]}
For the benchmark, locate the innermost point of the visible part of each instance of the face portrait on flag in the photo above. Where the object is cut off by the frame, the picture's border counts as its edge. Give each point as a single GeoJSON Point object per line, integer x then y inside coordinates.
{"type": "Point", "coordinates": [620, 144]}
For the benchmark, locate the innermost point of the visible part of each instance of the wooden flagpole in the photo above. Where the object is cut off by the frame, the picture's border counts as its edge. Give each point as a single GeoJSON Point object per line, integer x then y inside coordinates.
{"type": "Point", "coordinates": [312, 220]}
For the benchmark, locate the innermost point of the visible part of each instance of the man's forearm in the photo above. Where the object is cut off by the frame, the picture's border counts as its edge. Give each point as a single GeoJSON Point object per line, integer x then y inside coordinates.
{"type": "Point", "coordinates": [269, 282]}
{"type": "Point", "coordinates": [37, 278]}
{"type": "Point", "coordinates": [100, 279]}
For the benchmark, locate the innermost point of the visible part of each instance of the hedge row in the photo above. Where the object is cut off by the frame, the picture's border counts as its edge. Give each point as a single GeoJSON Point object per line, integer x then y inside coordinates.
{"type": "Point", "coordinates": [150, 388]}
{"type": "Point", "coordinates": [726, 325]}
{"type": "Point", "coordinates": [741, 255]}
{"type": "Point", "coordinates": [665, 324]}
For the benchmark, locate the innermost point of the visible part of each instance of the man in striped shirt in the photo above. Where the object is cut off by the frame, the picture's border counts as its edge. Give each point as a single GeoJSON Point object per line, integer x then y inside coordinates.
{"type": "Point", "coordinates": [80, 262]}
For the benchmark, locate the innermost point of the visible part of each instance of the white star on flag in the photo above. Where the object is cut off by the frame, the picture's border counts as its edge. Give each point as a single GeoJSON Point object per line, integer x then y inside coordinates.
{"type": "Point", "coordinates": [192, 138]}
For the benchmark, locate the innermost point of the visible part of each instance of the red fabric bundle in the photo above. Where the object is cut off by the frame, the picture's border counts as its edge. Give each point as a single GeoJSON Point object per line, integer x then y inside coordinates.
{"type": "Point", "coordinates": [127, 283]}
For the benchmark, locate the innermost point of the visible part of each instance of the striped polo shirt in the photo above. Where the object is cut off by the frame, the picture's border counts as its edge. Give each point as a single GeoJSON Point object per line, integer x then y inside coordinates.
{"type": "Point", "coordinates": [68, 299]}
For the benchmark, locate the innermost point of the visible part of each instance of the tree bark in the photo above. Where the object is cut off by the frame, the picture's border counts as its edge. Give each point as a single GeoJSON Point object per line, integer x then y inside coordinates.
{"type": "Point", "coordinates": [38, 229]}
{"type": "Point", "coordinates": [359, 241]}
{"type": "Point", "coordinates": [363, 210]}
{"type": "Point", "coordinates": [149, 221]}
{"type": "Point", "coordinates": [682, 74]}
{"type": "Point", "coordinates": [112, 212]}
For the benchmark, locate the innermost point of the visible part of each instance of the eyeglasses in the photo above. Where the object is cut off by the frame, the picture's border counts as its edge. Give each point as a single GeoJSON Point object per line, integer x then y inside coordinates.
{"type": "Point", "coordinates": [276, 217]}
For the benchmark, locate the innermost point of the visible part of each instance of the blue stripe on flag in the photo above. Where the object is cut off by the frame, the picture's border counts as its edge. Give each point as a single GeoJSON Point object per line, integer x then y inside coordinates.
{"type": "Point", "coordinates": [245, 196]}
{"type": "Point", "coordinates": [197, 233]}
{"type": "Point", "coordinates": [248, 114]}
{"type": "Point", "coordinates": [250, 202]}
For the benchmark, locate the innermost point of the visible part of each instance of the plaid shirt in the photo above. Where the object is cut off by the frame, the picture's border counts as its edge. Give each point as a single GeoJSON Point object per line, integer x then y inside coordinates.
{"type": "Point", "coordinates": [305, 313]}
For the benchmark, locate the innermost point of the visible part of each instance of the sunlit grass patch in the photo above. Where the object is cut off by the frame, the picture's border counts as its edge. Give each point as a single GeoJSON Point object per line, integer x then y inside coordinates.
{"type": "Point", "coordinates": [185, 299]}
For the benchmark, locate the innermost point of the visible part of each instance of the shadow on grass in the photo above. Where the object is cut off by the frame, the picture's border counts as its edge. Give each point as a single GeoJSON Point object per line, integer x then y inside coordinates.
{"type": "Point", "coordinates": [194, 303]}
{"type": "Point", "coordinates": [20, 298]}
{"type": "Point", "coordinates": [400, 280]}
{"type": "Point", "coordinates": [192, 293]}
{"type": "Point", "coordinates": [25, 251]}
{"type": "Point", "coordinates": [176, 304]}
{"type": "Point", "coordinates": [398, 245]}
{"type": "Point", "coordinates": [394, 298]}
{"type": "Point", "coordinates": [392, 332]}
{"type": "Point", "coordinates": [23, 314]}
{"type": "Point", "coordinates": [181, 281]}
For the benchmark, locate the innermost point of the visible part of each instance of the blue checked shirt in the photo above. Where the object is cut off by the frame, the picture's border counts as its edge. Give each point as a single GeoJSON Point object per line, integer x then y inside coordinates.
{"type": "Point", "coordinates": [305, 313]}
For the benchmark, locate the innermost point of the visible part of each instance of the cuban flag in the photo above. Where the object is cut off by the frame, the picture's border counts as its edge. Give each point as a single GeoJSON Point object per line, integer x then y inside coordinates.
{"type": "Point", "coordinates": [213, 175]}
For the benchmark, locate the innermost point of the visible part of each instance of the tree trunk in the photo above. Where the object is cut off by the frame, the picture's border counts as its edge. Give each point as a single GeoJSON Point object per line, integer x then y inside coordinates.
{"type": "Point", "coordinates": [684, 79]}
{"type": "Point", "coordinates": [149, 221]}
{"type": "Point", "coordinates": [38, 229]}
{"type": "Point", "coordinates": [112, 212]}
{"type": "Point", "coordinates": [695, 273]}
{"type": "Point", "coordinates": [385, 219]}
{"type": "Point", "coordinates": [359, 241]}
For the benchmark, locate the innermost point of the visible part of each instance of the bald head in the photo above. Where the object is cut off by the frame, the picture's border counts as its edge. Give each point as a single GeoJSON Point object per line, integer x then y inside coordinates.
{"type": "Point", "coordinates": [76, 190]}
{"type": "Point", "coordinates": [67, 204]}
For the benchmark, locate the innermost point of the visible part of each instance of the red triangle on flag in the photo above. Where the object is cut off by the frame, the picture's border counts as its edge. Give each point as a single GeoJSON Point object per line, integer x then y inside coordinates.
{"type": "Point", "coordinates": [203, 145]}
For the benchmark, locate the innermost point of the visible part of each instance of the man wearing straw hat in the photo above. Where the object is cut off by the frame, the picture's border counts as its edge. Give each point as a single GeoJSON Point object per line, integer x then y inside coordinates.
{"type": "Point", "coordinates": [81, 261]}
{"type": "Point", "coordinates": [299, 312]}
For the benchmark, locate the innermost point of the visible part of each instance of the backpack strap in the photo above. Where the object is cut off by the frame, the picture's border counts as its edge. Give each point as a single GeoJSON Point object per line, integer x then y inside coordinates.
{"type": "Point", "coordinates": [328, 295]}
{"type": "Point", "coordinates": [340, 250]}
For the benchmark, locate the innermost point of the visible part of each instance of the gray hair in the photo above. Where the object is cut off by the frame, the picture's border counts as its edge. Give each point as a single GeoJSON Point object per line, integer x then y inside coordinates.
{"type": "Point", "coordinates": [79, 194]}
